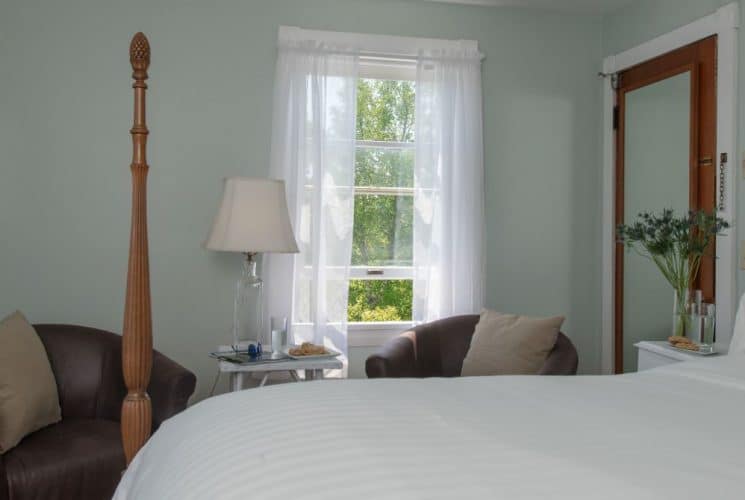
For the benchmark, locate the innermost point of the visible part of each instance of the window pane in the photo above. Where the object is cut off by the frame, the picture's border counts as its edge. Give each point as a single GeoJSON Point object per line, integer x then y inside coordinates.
{"type": "Point", "coordinates": [380, 300]}
{"type": "Point", "coordinates": [385, 110]}
{"type": "Point", "coordinates": [384, 167]}
{"type": "Point", "coordinates": [382, 230]}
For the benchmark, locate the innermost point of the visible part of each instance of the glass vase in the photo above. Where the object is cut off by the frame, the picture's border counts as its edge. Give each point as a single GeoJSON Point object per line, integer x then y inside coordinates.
{"type": "Point", "coordinates": [680, 300]}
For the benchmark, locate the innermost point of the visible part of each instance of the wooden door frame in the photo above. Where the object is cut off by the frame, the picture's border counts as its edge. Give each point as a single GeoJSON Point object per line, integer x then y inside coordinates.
{"type": "Point", "coordinates": [723, 23]}
{"type": "Point", "coordinates": [697, 59]}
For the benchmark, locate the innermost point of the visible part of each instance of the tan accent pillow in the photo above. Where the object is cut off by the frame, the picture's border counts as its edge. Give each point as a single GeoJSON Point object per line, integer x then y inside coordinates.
{"type": "Point", "coordinates": [508, 344]}
{"type": "Point", "coordinates": [28, 390]}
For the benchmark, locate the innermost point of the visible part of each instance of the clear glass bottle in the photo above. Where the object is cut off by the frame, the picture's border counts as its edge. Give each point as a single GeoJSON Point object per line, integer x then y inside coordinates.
{"type": "Point", "coordinates": [248, 305]}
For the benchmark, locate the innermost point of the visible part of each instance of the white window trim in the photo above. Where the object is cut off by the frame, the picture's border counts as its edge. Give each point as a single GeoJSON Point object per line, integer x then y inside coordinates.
{"type": "Point", "coordinates": [370, 334]}
{"type": "Point", "coordinates": [375, 334]}
{"type": "Point", "coordinates": [723, 23]}
{"type": "Point", "coordinates": [381, 68]}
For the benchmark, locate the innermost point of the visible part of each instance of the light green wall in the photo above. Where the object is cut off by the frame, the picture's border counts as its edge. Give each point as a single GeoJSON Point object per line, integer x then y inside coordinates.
{"type": "Point", "coordinates": [647, 19]}
{"type": "Point", "coordinates": [644, 20]}
{"type": "Point", "coordinates": [65, 112]}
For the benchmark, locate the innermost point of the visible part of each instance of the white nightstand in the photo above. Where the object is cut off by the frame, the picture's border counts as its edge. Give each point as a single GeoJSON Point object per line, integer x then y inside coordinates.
{"type": "Point", "coordinates": [659, 353]}
{"type": "Point", "coordinates": [313, 368]}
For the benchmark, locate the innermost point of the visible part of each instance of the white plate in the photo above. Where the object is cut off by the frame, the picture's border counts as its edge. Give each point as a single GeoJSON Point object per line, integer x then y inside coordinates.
{"type": "Point", "coordinates": [699, 353]}
{"type": "Point", "coordinates": [330, 353]}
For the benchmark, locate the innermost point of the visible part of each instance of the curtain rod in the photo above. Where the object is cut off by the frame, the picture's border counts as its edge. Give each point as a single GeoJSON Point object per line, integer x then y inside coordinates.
{"type": "Point", "coordinates": [384, 57]}
{"type": "Point", "coordinates": [383, 46]}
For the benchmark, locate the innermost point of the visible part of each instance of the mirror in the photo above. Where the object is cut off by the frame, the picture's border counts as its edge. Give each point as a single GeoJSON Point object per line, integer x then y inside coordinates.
{"type": "Point", "coordinates": [656, 176]}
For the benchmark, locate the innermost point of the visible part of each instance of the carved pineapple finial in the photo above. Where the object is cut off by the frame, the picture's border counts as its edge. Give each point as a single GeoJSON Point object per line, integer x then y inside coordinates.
{"type": "Point", "coordinates": [139, 56]}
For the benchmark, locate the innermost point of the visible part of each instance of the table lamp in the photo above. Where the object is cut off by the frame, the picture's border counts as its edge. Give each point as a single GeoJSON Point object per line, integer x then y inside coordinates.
{"type": "Point", "coordinates": [253, 218]}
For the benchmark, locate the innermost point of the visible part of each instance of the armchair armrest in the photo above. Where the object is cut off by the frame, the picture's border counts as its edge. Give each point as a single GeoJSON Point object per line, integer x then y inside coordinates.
{"type": "Point", "coordinates": [396, 358]}
{"type": "Point", "coordinates": [4, 493]}
{"type": "Point", "coordinates": [170, 387]}
{"type": "Point", "coordinates": [563, 358]}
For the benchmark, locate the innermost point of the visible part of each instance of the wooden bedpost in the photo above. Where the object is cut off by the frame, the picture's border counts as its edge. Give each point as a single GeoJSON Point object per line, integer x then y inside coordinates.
{"type": "Point", "coordinates": [137, 341]}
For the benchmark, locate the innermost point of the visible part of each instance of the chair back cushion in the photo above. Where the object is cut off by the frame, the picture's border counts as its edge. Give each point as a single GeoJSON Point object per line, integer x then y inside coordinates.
{"type": "Point", "coordinates": [441, 345]}
{"type": "Point", "coordinates": [87, 363]}
{"type": "Point", "coordinates": [28, 391]}
{"type": "Point", "coordinates": [508, 344]}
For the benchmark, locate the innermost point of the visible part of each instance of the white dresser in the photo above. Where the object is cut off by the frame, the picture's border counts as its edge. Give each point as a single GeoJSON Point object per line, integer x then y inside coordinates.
{"type": "Point", "coordinates": [659, 353]}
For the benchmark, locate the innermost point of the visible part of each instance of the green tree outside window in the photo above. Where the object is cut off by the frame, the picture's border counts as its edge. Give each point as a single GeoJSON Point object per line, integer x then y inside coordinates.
{"type": "Point", "coordinates": [383, 210]}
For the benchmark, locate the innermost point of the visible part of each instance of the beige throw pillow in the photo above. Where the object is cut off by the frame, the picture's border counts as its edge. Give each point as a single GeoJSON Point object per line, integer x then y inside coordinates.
{"type": "Point", "coordinates": [28, 390]}
{"type": "Point", "coordinates": [508, 344]}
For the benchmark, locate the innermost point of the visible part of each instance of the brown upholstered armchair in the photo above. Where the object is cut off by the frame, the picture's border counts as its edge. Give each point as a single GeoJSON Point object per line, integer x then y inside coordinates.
{"type": "Point", "coordinates": [438, 349]}
{"type": "Point", "coordinates": [81, 456]}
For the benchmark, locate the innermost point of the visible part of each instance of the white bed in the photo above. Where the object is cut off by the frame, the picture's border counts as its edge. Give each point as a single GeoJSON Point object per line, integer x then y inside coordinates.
{"type": "Point", "coordinates": [675, 432]}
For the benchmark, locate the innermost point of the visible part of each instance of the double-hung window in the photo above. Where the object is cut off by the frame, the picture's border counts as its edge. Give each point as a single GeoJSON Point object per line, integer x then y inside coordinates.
{"type": "Point", "coordinates": [381, 276]}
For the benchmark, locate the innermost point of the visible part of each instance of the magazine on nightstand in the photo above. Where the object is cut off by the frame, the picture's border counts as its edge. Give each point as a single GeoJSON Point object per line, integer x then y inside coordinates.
{"type": "Point", "coordinates": [242, 358]}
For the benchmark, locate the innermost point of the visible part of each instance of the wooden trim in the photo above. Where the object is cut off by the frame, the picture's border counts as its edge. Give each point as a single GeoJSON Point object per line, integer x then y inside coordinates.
{"type": "Point", "coordinates": [706, 175]}
{"type": "Point", "coordinates": [137, 340]}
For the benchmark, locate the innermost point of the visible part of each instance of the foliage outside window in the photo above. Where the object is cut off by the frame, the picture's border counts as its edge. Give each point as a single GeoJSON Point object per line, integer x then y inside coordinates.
{"type": "Point", "coordinates": [384, 203]}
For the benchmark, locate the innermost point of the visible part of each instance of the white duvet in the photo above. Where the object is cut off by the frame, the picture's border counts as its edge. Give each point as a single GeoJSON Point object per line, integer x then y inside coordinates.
{"type": "Point", "coordinates": [676, 432]}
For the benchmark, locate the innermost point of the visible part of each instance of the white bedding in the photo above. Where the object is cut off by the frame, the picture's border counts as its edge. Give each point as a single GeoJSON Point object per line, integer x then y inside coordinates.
{"type": "Point", "coordinates": [675, 432]}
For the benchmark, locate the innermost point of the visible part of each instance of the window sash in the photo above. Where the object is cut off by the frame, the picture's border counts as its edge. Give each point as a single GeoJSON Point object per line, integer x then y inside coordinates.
{"type": "Point", "coordinates": [385, 273]}
{"type": "Point", "coordinates": [385, 145]}
{"type": "Point", "coordinates": [393, 191]}
{"type": "Point", "coordinates": [360, 144]}
{"type": "Point", "coordinates": [385, 71]}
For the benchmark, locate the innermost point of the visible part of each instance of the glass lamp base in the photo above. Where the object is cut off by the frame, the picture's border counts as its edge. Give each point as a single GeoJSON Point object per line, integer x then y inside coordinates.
{"type": "Point", "coordinates": [248, 304]}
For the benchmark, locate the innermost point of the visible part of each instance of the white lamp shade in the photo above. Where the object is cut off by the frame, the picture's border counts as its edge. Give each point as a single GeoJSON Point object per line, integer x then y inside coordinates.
{"type": "Point", "coordinates": [253, 217]}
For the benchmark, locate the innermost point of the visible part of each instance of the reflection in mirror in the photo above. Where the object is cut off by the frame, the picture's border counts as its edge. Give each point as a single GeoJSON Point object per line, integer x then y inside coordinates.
{"type": "Point", "coordinates": [656, 176]}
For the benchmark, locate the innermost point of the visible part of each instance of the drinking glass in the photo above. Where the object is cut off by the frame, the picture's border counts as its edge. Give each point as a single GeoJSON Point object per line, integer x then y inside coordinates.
{"type": "Point", "coordinates": [693, 323]}
{"type": "Point", "coordinates": [279, 333]}
{"type": "Point", "coordinates": [709, 312]}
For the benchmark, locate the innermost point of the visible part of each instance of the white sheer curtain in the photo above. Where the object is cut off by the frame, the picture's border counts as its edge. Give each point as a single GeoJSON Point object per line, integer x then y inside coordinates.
{"type": "Point", "coordinates": [449, 184]}
{"type": "Point", "coordinates": [313, 142]}
{"type": "Point", "coordinates": [313, 150]}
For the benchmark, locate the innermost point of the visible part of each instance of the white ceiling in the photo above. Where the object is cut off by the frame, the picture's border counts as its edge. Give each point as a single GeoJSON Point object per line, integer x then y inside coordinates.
{"type": "Point", "coordinates": [584, 6]}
